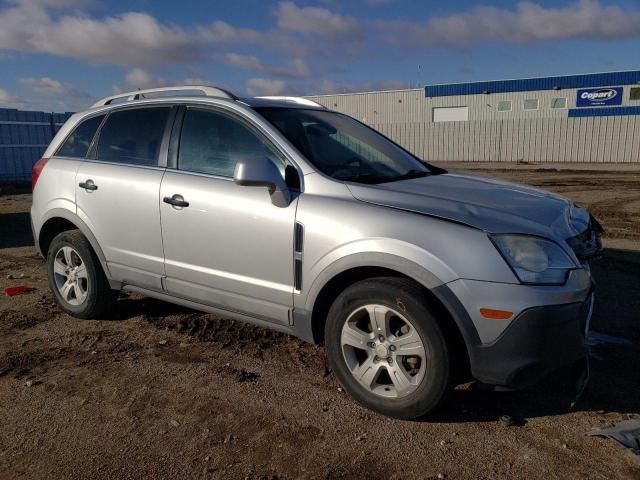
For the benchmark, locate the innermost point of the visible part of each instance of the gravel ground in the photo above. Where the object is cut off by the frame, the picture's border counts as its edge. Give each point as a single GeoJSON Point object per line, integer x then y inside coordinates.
{"type": "Point", "coordinates": [158, 391]}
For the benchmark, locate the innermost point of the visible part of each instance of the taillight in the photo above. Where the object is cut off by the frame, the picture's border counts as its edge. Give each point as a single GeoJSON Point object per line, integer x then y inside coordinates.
{"type": "Point", "coordinates": [37, 170]}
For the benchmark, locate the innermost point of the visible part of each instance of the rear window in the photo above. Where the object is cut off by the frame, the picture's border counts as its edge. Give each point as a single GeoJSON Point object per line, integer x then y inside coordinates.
{"type": "Point", "coordinates": [77, 144]}
{"type": "Point", "coordinates": [133, 136]}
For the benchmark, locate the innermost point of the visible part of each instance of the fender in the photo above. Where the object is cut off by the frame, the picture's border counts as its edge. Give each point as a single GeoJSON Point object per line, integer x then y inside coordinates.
{"type": "Point", "coordinates": [86, 231]}
{"type": "Point", "coordinates": [370, 259]}
{"type": "Point", "coordinates": [400, 264]}
{"type": "Point", "coordinates": [402, 256]}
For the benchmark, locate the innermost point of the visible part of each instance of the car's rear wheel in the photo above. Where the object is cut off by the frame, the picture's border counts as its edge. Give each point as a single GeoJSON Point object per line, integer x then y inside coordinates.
{"type": "Point", "coordinates": [386, 347]}
{"type": "Point", "coordinates": [76, 278]}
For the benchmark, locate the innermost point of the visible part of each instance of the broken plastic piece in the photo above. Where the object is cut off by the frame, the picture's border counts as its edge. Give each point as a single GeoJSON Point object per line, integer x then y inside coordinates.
{"type": "Point", "coordinates": [626, 432]}
{"type": "Point", "coordinates": [582, 375]}
{"type": "Point", "coordinates": [11, 291]}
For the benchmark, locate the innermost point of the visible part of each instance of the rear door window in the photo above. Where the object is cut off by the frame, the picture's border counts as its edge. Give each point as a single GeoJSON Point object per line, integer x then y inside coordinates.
{"type": "Point", "coordinates": [212, 142]}
{"type": "Point", "coordinates": [77, 144]}
{"type": "Point", "coordinates": [133, 136]}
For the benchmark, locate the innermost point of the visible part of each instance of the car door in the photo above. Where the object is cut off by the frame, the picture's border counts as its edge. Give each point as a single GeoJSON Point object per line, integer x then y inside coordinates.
{"type": "Point", "coordinates": [227, 246]}
{"type": "Point", "coordinates": [118, 192]}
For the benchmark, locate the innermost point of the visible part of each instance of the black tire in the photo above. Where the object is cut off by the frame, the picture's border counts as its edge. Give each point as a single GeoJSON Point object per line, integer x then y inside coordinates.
{"type": "Point", "coordinates": [99, 296]}
{"type": "Point", "coordinates": [395, 293]}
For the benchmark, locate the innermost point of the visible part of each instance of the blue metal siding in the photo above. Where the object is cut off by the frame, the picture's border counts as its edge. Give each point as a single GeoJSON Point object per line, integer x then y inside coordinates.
{"type": "Point", "coordinates": [24, 136]}
{"type": "Point", "coordinates": [530, 84]}
{"type": "Point", "coordinates": [603, 112]}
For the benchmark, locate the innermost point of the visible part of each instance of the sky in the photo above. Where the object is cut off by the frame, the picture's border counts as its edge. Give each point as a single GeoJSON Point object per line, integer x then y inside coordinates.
{"type": "Point", "coordinates": [62, 55]}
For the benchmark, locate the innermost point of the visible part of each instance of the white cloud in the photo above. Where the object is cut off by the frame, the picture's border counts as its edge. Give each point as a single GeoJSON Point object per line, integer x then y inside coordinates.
{"type": "Point", "coordinates": [528, 22]}
{"type": "Point", "coordinates": [62, 28]}
{"type": "Point", "coordinates": [130, 38]}
{"type": "Point", "coordinates": [139, 78]}
{"type": "Point", "coordinates": [330, 86]}
{"type": "Point", "coordinates": [297, 68]}
{"type": "Point", "coordinates": [50, 94]}
{"type": "Point", "coordinates": [265, 86]}
{"type": "Point", "coordinates": [51, 87]}
{"type": "Point", "coordinates": [44, 85]}
{"type": "Point", "coordinates": [9, 101]}
{"type": "Point", "coordinates": [198, 81]}
{"type": "Point", "coordinates": [316, 20]}
{"type": "Point", "coordinates": [222, 32]}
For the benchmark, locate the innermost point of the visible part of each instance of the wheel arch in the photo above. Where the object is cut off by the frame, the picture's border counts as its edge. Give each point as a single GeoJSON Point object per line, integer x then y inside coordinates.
{"type": "Point", "coordinates": [348, 271]}
{"type": "Point", "coordinates": [61, 220]}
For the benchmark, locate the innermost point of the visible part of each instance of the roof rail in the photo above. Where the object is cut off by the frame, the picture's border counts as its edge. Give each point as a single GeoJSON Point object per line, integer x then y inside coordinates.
{"type": "Point", "coordinates": [298, 100]}
{"type": "Point", "coordinates": [206, 90]}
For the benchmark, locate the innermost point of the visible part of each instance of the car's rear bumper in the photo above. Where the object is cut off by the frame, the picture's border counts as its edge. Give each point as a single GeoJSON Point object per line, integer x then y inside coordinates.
{"type": "Point", "coordinates": [539, 341]}
{"type": "Point", "coordinates": [35, 237]}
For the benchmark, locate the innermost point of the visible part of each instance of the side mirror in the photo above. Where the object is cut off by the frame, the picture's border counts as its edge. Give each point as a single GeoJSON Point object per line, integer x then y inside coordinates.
{"type": "Point", "coordinates": [261, 172]}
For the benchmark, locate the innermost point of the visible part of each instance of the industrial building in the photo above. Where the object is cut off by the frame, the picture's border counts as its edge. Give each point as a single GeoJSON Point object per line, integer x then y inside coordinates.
{"type": "Point", "coordinates": [591, 118]}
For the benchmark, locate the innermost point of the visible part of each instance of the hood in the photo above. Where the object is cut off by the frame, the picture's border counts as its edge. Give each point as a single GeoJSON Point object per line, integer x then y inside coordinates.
{"type": "Point", "coordinates": [491, 205]}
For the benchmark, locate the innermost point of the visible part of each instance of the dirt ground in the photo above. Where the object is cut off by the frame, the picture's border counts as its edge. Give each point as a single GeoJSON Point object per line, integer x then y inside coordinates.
{"type": "Point", "coordinates": [158, 391]}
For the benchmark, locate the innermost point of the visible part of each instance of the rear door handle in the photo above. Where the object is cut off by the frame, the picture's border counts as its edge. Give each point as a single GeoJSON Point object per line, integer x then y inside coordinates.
{"type": "Point", "coordinates": [176, 200]}
{"type": "Point", "coordinates": [88, 185]}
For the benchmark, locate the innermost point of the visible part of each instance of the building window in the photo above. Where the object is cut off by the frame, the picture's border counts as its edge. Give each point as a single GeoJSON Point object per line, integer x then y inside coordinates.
{"type": "Point", "coordinates": [450, 114]}
{"type": "Point", "coordinates": [560, 102]}
{"type": "Point", "coordinates": [504, 106]}
{"type": "Point", "coordinates": [634, 94]}
{"type": "Point", "coordinates": [531, 104]}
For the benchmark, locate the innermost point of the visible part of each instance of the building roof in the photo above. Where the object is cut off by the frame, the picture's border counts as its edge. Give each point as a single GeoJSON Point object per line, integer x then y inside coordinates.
{"type": "Point", "coordinates": [606, 79]}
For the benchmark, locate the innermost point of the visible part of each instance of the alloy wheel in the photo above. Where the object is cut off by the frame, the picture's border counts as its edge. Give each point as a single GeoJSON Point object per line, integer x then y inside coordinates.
{"type": "Point", "coordinates": [70, 275]}
{"type": "Point", "coordinates": [383, 351]}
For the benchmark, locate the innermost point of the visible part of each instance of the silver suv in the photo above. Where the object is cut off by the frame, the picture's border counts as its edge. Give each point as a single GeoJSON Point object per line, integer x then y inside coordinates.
{"type": "Point", "coordinates": [279, 212]}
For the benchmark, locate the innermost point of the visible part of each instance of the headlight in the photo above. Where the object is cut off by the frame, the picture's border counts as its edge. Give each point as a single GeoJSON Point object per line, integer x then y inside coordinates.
{"type": "Point", "coordinates": [534, 260]}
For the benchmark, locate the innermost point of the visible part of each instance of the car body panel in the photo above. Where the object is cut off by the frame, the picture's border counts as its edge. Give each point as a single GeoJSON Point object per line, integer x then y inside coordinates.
{"type": "Point", "coordinates": [55, 190]}
{"type": "Point", "coordinates": [230, 247]}
{"type": "Point", "coordinates": [124, 216]}
{"type": "Point", "coordinates": [491, 205]}
{"type": "Point", "coordinates": [474, 295]}
{"type": "Point", "coordinates": [339, 228]}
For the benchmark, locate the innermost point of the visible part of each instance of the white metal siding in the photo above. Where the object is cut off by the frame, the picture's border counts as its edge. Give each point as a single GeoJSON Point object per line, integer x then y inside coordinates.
{"type": "Point", "coordinates": [545, 135]}
{"type": "Point", "coordinates": [450, 114]}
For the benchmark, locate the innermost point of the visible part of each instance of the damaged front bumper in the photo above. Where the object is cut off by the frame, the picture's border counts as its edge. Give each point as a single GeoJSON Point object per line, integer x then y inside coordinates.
{"type": "Point", "coordinates": [536, 343]}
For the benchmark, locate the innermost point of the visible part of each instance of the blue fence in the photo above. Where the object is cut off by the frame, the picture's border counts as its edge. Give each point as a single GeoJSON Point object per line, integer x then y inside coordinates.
{"type": "Point", "coordinates": [24, 136]}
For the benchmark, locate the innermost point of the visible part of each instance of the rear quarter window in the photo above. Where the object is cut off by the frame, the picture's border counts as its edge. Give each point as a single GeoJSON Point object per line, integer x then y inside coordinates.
{"type": "Point", "coordinates": [77, 144]}
{"type": "Point", "coordinates": [133, 136]}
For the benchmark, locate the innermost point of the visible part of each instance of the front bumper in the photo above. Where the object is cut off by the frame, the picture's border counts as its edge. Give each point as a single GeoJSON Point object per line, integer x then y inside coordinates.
{"type": "Point", "coordinates": [537, 342]}
{"type": "Point", "coordinates": [545, 334]}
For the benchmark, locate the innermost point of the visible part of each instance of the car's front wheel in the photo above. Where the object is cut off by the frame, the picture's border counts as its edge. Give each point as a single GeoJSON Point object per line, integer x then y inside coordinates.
{"type": "Point", "coordinates": [386, 347]}
{"type": "Point", "coordinates": [76, 277]}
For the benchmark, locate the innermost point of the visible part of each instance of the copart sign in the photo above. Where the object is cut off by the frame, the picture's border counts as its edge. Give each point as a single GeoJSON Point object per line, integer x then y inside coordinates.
{"type": "Point", "coordinates": [595, 97]}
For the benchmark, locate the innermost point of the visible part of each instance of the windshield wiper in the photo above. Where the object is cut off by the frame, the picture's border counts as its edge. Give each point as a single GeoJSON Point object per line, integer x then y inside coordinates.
{"type": "Point", "coordinates": [413, 173]}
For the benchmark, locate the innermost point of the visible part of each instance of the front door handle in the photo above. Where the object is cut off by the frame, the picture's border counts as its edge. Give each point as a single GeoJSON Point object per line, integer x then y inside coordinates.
{"type": "Point", "coordinates": [88, 185]}
{"type": "Point", "coordinates": [176, 200]}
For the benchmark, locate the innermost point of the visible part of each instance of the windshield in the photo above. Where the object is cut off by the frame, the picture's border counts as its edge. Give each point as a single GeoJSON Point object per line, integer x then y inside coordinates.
{"type": "Point", "coordinates": [343, 148]}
